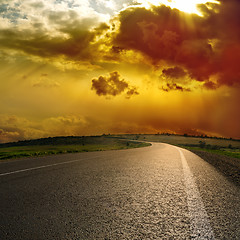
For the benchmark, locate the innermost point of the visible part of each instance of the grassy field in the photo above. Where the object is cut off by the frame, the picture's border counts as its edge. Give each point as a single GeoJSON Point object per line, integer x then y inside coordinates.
{"type": "Point", "coordinates": [60, 145]}
{"type": "Point", "coordinates": [222, 151]}
{"type": "Point", "coordinates": [57, 145]}
{"type": "Point", "coordinates": [226, 147]}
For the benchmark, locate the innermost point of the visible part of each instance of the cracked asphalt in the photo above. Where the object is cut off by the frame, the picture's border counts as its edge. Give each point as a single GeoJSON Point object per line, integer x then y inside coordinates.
{"type": "Point", "coordinates": [124, 194]}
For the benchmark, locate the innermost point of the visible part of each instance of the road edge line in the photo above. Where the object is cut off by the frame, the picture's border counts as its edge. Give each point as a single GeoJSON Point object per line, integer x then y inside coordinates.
{"type": "Point", "coordinates": [200, 225]}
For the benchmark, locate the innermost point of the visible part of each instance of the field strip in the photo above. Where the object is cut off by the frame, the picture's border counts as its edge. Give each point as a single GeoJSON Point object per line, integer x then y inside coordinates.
{"type": "Point", "coordinates": [44, 166]}
{"type": "Point", "coordinates": [200, 226]}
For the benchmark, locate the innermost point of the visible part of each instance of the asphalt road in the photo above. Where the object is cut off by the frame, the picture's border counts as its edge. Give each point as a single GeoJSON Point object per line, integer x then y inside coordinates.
{"type": "Point", "coordinates": [157, 192]}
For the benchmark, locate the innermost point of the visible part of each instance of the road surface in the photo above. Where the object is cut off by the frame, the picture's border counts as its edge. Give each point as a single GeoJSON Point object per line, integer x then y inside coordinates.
{"type": "Point", "coordinates": [157, 192]}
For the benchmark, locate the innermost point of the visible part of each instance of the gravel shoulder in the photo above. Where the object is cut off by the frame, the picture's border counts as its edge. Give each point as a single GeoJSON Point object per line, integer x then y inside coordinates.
{"type": "Point", "coordinates": [228, 166]}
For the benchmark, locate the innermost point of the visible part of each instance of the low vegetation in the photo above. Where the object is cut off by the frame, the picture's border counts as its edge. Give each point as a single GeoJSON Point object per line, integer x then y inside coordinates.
{"type": "Point", "coordinates": [222, 146]}
{"type": "Point", "coordinates": [58, 145]}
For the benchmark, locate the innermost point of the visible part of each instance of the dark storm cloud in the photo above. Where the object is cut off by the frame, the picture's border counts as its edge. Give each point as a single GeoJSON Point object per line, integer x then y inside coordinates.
{"type": "Point", "coordinates": [204, 46]}
{"type": "Point", "coordinates": [112, 85]}
{"type": "Point", "coordinates": [175, 87]}
{"type": "Point", "coordinates": [175, 72]}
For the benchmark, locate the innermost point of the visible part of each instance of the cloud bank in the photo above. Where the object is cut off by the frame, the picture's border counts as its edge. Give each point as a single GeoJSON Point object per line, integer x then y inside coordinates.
{"type": "Point", "coordinates": [81, 31]}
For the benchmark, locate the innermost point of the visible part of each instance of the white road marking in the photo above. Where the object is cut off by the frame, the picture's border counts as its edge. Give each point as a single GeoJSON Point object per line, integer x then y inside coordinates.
{"type": "Point", "coordinates": [40, 167]}
{"type": "Point", "coordinates": [200, 226]}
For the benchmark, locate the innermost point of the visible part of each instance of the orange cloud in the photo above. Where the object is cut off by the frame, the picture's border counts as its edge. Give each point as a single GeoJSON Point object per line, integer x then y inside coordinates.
{"type": "Point", "coordinates": [13, 128]}
{"type": "Point", "coordinates": [9, 135]}
{"type": "Point", "coordinates": [45, 82]}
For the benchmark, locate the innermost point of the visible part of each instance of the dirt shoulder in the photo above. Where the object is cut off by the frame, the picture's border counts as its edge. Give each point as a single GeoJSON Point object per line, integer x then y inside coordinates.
{"type": "Point", "coordinates": [228, 166]}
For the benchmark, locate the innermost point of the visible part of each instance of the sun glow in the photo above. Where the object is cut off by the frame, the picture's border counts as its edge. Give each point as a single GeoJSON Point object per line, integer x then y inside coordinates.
{"type": "Point", "coordinates": [188, 6]}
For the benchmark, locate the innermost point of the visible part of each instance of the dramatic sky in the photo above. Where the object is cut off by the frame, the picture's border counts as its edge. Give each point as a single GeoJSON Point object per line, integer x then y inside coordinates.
{"type": "Point", "coordinates": [86, 67]}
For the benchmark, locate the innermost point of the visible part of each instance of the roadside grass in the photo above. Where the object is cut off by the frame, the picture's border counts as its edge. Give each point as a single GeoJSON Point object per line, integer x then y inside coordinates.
{"type": "Point", "coordinates": [86, 144]}
{"type": "Point", "coordinates": [58, 145]}
{"type": "Point", "coordinates": [220, 146]}
{"type": "Point", "coordinates": [222, 151]}
{"type": "Point", "coordinates": [181, 140]}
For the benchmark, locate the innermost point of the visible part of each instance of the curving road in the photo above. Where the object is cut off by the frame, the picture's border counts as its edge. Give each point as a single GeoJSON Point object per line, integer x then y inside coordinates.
{"type": "Point", "coordinates": [157, 192]}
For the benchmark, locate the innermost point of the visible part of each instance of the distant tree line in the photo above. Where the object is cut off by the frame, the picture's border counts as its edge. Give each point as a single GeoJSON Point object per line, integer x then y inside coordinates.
{"type": "Point", "coordinates": [56, 141]}
{"type": "Point", "coordinates": [197, 136]}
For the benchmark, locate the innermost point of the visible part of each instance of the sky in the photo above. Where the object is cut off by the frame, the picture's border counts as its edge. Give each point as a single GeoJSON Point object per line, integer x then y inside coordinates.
{"type": "Point", "coordinates": [91, 67]}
